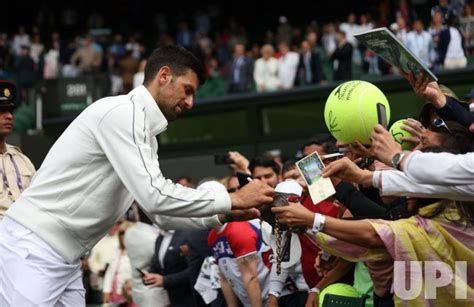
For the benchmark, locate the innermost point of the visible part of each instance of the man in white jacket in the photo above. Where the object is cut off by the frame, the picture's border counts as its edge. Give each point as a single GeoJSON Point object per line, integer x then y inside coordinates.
{"type": "Point", "coordinates": [104, 160]}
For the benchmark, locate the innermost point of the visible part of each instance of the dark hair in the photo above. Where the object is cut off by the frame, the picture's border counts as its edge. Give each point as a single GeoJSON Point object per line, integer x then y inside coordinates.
{"type": "Point", "coordinates": [177, 58]}
{"type": "Point", "coordinates": [264, 162]}
{"type": "Point", "coordinates": [326, 141]}
{"type": "Point", "coordinates": [288, 165]}
{"type": "Point", "coordinates": [460, 140]}
{"type": "Point", "coordinates": [427, 113]}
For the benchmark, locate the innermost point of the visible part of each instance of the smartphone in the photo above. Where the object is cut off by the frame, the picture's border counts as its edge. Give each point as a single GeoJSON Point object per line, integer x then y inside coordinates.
{"type": "Point", "coordinates": [243, 178]}
{"type": "Point", "coordinates": [140, 271]}
{"type": "Point", "coordinates": [222, 159]}
{"type": "Point", "coordinates": [382, 115]}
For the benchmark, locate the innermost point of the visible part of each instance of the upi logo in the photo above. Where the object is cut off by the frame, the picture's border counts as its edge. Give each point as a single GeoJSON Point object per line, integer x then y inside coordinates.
{"type": "Point", "coordinates": [427, 276]}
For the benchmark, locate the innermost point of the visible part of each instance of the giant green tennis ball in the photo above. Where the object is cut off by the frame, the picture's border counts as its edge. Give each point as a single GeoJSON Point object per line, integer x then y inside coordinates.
{"type": "Point", "coordinates": [338, 289]}
{"type": "Point", "coordinates": [398, 133]}
{"type": "Point", "coordinates": [351, 111]}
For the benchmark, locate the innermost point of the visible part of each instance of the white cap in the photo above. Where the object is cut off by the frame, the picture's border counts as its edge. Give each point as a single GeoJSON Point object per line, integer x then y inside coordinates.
{"type": "Point", "coordinates": [289, 187]}
{"type": "Point", "coordinates": [215, 186]}
{"type": "Point", "coordinates": [471, 107]}
{"type": "Point", "coordinates": [283, 19]}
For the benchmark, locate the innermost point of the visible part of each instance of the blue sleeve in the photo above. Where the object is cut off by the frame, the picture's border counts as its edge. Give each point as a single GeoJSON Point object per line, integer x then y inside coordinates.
{"type": "Point", "coordinates": [453, 110]}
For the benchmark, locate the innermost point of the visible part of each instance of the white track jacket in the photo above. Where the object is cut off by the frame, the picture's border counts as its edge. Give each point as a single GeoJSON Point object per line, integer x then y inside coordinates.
{"type": "Point", "coordinates": [104, 160]}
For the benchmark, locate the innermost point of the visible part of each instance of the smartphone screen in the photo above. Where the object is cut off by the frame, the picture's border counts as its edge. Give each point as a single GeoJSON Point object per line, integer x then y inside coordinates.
{"type": "Point", "coordinates": [382, 115]}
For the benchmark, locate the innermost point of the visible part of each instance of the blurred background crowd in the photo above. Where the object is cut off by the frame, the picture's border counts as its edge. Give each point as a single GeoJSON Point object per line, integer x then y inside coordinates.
{"type": "Point", "coordinates": [276, 53]}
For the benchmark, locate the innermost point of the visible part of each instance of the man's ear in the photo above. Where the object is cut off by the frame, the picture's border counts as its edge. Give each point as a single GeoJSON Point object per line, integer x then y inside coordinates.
{"type": "Point", "coordinates": [164, 74]}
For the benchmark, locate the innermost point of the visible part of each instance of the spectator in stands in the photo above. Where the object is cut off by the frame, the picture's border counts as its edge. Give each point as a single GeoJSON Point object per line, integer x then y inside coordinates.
{"type": "Point", "coordinates": [128, 66]}
{"type": "Point", "coordinates": [350, 27]}
{"type": "Point", "coordinates": [329, 39]}
{"type": "Point", "coordinates": [342, 57]}
{"type": "Point", "coordinates": [241, 71]}
{"type": "Point", "coordinates": [287, 65]}
{"type": "Point", "coordinates": [16, 169]}
{"type": "Point", "coordinates": [467, 27]}
{"type": "Point", "coordinates": [435, 29]}
{"type": "Point", "coordinates": [419, 42]}
{"type": "Point", "coordinates": [266, 70]}
{"type": "Point", "coordinates": [26, 74]}
{"type": "Point", "coordinates": [444, 8]}
{"type": "Point", "coordinates": [451, 46]}
{"type": "Point", "coordinates": [51, 66]}
{"type": "Point", "coordinates": [116, 52]}
{"type": "Point", "coordinates": [309, 66]}
{"type": "Point", "coordinates": [36, 48]}
{"type": "Point", "coordinates": [403, 10]}
{"type": "Point", "coordinates": [365, 23]}
{"type": "Point", "coordinates": [87, 58]}
{"type": "Point", "coordinates": [400, 29]}
{"type": "Point", "coordinates": [20, 39]}
{"type": "Point", "coordinates": [374, 65]}
{"type": "Point", "coordinates": [284, 30]}
{"type": "Point", "coordinates": [184, 36]}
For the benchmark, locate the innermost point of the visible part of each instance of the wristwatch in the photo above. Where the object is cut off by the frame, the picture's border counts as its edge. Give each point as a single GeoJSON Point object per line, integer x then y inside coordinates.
{"type": "Point", "coordinates": [397, 159]}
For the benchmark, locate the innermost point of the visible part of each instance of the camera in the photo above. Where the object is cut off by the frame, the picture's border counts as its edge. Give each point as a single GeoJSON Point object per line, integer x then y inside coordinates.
{"type": "Point", "coordinates": [222, 159]}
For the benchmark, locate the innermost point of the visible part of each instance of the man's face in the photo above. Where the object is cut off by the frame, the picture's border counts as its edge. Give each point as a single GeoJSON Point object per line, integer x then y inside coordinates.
{"type": "Point", "coordinates": [177, 94]}
{"type": "Point", "coordinates": [266, 174]}
{"type": "Point", "coordinates": [6, 121]}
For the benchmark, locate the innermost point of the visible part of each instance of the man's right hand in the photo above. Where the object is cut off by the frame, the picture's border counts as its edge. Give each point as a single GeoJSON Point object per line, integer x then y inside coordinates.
{"type": "Point", "coordinates": [254, 194]}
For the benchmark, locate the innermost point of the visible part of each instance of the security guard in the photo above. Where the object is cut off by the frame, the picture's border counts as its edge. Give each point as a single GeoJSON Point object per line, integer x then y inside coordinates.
{"type": "Point", "coordinates": [16, 169]}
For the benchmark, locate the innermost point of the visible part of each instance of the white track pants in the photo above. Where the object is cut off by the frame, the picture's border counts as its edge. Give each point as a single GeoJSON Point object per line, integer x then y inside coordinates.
{"type": "Point", "coordinates": [32, 273]}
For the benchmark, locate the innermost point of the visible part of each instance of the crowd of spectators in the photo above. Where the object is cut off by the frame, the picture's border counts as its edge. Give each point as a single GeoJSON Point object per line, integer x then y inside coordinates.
{"type": "Point", "coordinates": [287, 56]}
{"type": "Point", "coordinates": [370, 222]}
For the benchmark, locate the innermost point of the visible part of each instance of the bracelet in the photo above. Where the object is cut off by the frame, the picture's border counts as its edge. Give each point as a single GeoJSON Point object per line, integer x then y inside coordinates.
{"type": "Point", "coordinates": [314, 290]}
{"type": "Point", "coordinates": [318, 223]}
{"type": "Point", "coordinates": [275, 294]}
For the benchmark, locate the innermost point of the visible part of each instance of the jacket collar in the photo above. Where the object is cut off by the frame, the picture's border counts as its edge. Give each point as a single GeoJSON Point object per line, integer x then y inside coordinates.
{"type": "Point", "coordinates": [155, 120]}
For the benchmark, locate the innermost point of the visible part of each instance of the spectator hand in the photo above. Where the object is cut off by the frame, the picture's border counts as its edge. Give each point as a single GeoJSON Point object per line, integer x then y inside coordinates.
{"type": "Point", "coordinates": [384, 147]}
{"type": "Point", "coordinates": [241, 164]}
{"type": "Point", "coordinates": [294, 214]}
{"type": "Point", "coordinates": [312, 300]}
{"type": "Point", "coordinates": [324, 267]}
{"type": "Point", "coordinates": [152, 279]}
{"type": "Point", "coordinates": [106, 298]}
{"type": "Point", "coordinates": [415, 128]}
{"type": "Point", "coordinates": [359, 150]}
{"type": "Point", "coordinates": [348, 171]}
{"type": "Point", "coordinates": [254, 194]}
{"type": "Point", "coordinates": [424, 88]}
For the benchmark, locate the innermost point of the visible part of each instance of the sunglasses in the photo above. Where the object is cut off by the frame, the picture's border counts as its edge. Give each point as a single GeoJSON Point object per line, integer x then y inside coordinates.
{"type": "Point", "coordinates": [439, 123]}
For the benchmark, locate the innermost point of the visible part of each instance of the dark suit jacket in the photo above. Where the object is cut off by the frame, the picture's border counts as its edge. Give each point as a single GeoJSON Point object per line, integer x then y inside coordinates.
{"type": "Point", "coordinates": [344, 55]}
{"type": "Point", "coordinates": [175, 271]}
{"type": "Point", "coordinates": [315, 67]}
{"type": "Point", "coordinates": [245, 82]}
